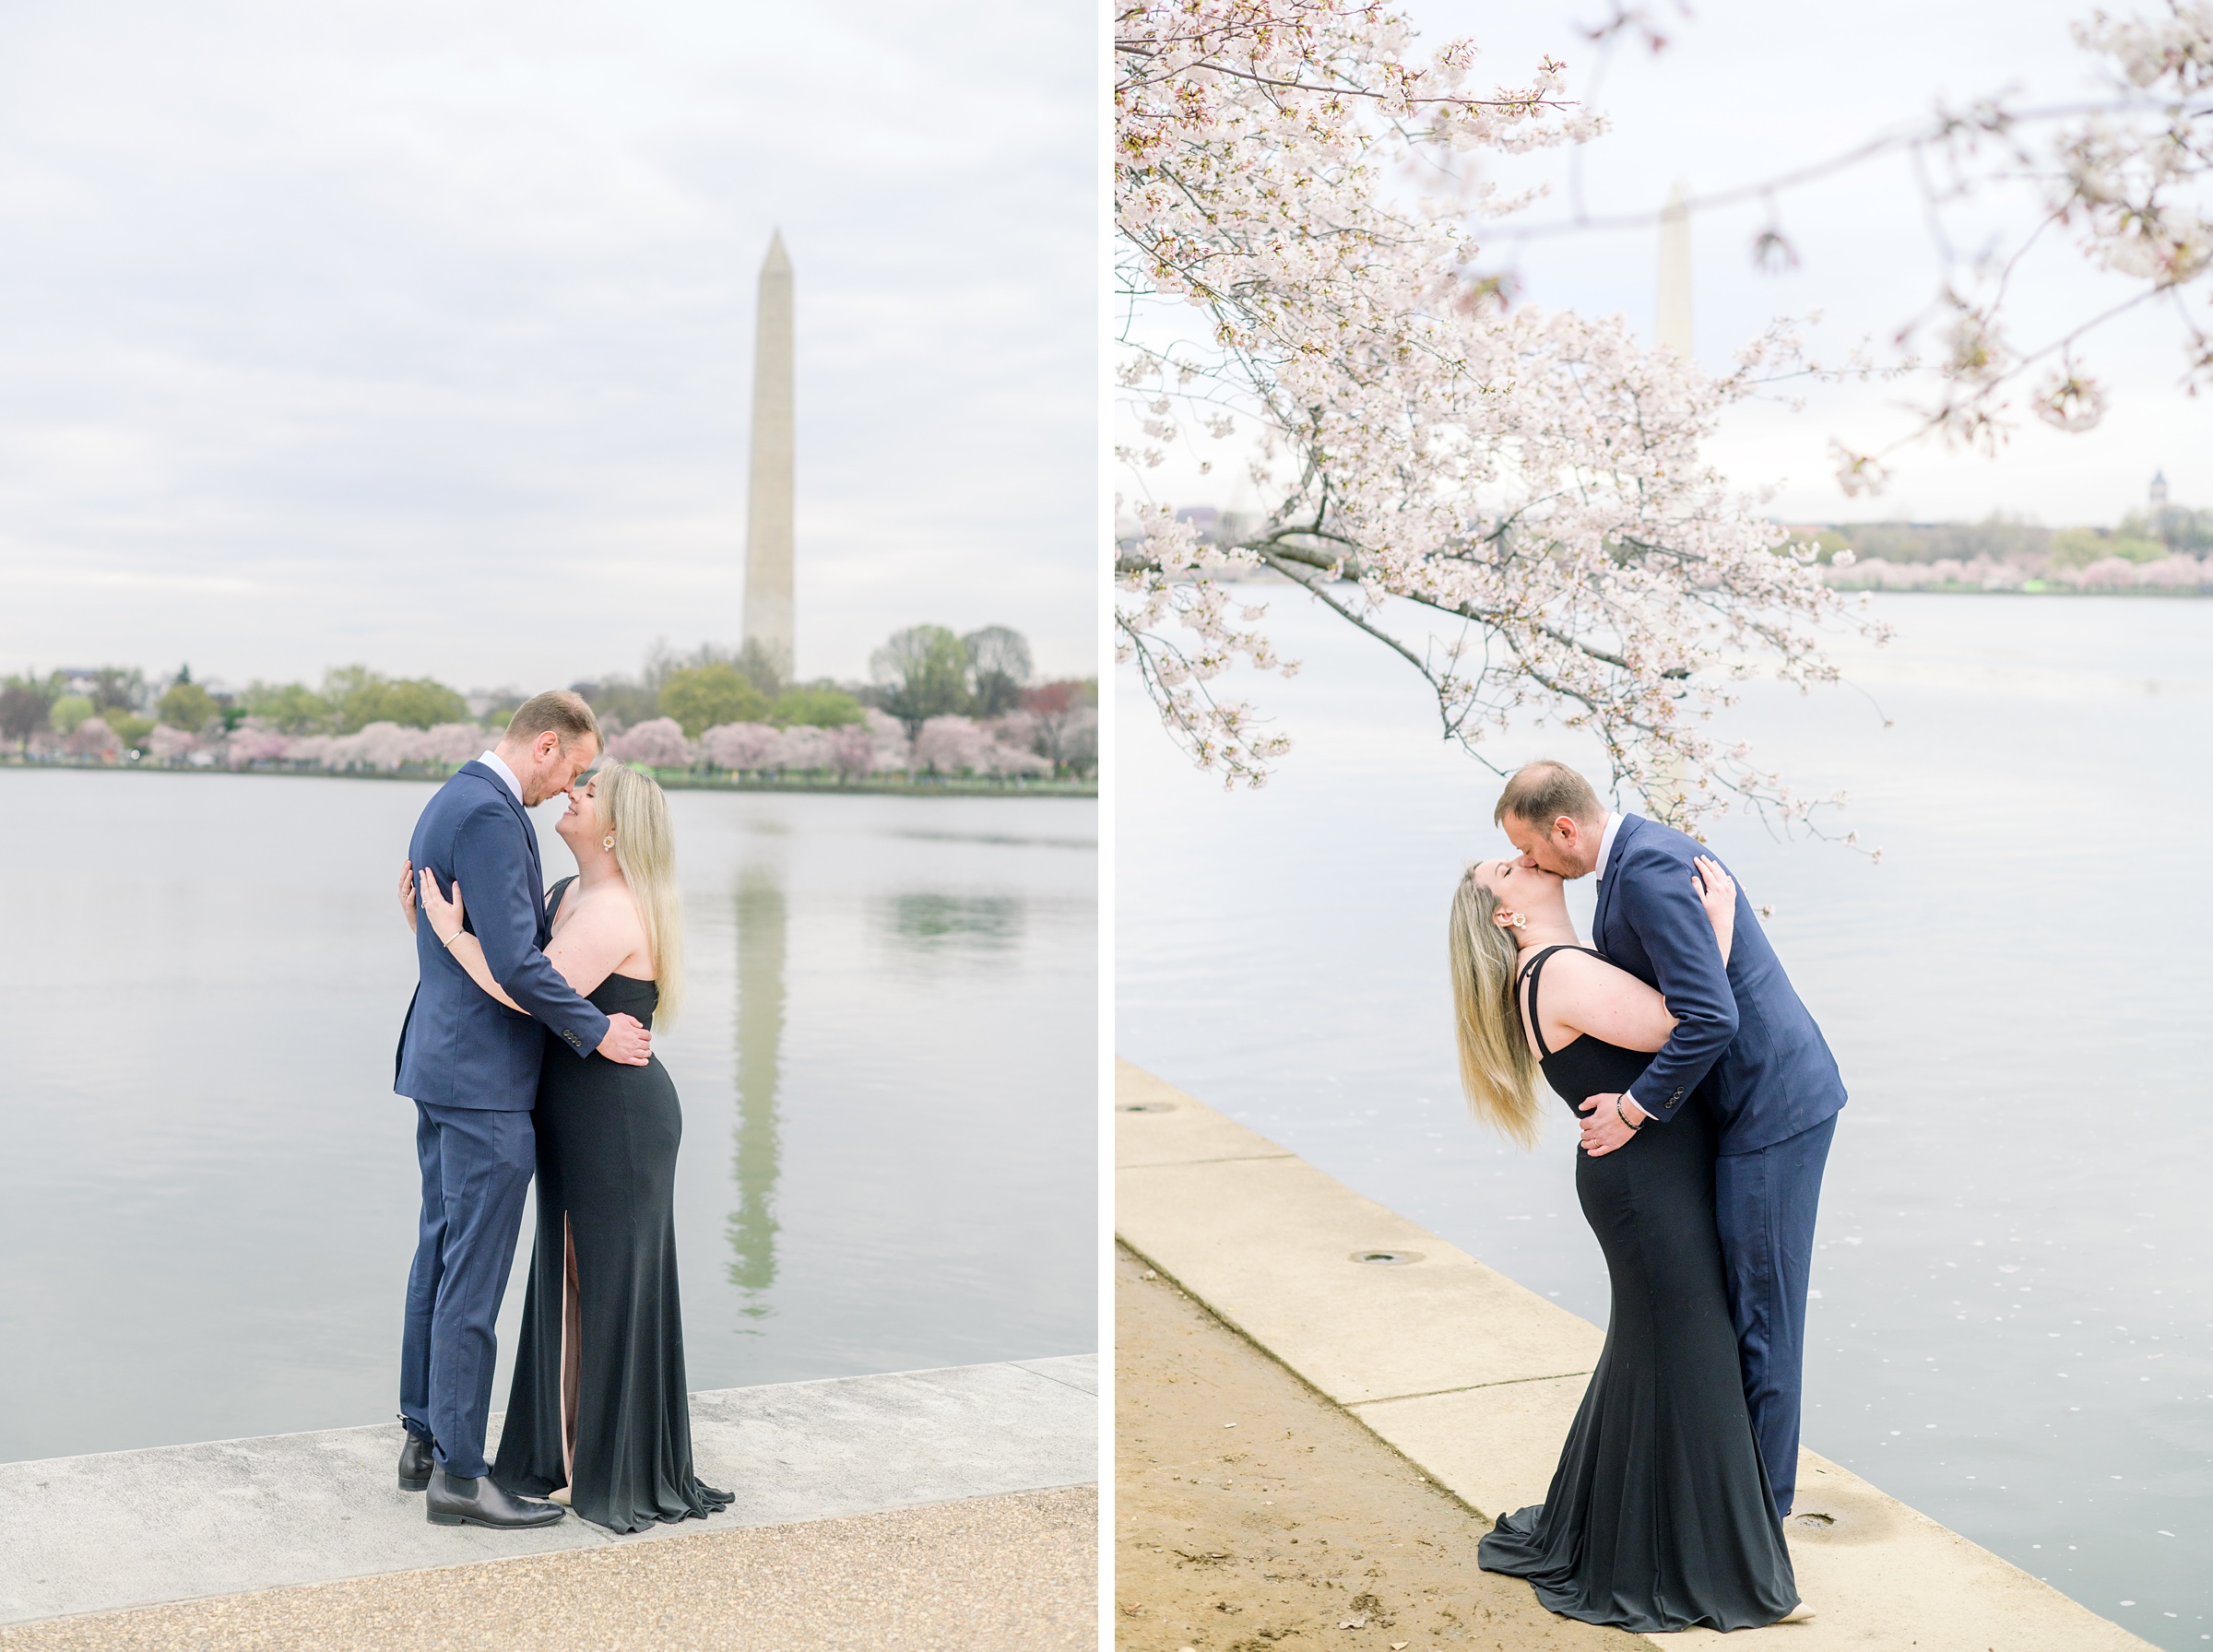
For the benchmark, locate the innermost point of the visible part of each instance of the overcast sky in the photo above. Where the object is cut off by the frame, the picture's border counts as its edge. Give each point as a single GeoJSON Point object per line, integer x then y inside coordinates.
{"type": "Point", "coordinates": [421, 335]}
{"type": "Point", "coordinates": [1748, 89]}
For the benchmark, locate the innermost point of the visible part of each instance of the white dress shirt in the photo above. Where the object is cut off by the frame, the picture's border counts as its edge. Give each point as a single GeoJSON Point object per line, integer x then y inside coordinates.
{"type": "Point", "coordinates": [1605, 847]}
{"type": "Point", "coordinates": [492, 760]}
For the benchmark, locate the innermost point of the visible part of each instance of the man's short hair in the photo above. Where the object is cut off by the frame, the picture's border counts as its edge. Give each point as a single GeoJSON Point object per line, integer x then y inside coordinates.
{"type": "Point", "coordinates": [1540, 792]}
{"type": "Point", "coordinates": [559, 711]}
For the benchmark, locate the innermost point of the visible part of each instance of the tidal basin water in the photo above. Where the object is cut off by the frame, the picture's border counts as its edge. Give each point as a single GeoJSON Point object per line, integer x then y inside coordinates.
{"type": "Point", "coordinates": [2010, 1324]}
{"type": "Point", "coordinates": [887, 1066]}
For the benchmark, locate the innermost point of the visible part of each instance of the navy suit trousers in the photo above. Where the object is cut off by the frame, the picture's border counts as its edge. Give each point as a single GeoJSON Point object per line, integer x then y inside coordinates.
{"type": "Point", "coordinates": [1764, 1204]}
{"type": "Point", "coordinates": [476, 1164]}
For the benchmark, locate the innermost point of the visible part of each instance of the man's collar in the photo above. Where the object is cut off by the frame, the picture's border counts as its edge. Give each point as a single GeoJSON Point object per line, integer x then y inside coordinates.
{"type": "Point", "coordinates": [1605, 845]}
{"type": "Point", "coordinates": [498, 765]}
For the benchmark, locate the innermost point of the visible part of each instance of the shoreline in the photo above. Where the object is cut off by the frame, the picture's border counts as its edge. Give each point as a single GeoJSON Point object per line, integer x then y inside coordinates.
{"type": "Point", "coordinates": [669, 781]}
{"type": "Point", "coordinates": [1473, 1379]}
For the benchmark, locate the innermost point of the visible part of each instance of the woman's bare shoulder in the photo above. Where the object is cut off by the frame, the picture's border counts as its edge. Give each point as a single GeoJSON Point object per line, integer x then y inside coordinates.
{"type": "Point", "coordinates": [1587, 973]}
{"type": "Point", "coordinates": [609, 909]}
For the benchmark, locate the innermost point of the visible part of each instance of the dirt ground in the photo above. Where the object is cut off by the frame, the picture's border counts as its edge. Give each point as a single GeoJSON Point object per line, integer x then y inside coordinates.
{"type": "Point", "coordinates": [1295, 1529]}
{"type": "Point", "coordinates": [1015, 1574]}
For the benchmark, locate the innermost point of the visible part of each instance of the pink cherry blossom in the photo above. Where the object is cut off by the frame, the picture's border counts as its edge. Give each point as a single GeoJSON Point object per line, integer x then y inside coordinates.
{"type": "Point", "coordinates": [167, 744]}
{"type": "Point", "coordinates": [853, 750]}
{"type": "Point", "coordinates": [93, 737]}
{"type": "Point", "coordinates": [893, 748]}
{"type": "Point", "coordinates": [742, 748]}
{"type": "Point", "coordinates": [656, 743]}
{"type": "Point", "coordinates": [378, 745]}
{"type": "Point", "coordinates": [451, 744]}
{"type": "Point", "coordinates": [808, 751]}
{"type": "Point", "coordinates": [252, 742]}
{"type": "Point", "coordinates": [951, 746]}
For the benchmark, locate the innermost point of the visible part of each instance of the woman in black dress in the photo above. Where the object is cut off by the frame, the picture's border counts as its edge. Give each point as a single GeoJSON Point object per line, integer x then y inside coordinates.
{"type": "Point", "coordinates": [599, 1416]}
{"type": "Point", "coordinates": [1659, 1517]}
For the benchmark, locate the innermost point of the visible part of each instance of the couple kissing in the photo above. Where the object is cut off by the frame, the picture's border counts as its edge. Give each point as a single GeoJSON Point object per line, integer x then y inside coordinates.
{"type": "Point", "coordinates": [1707, 1099]}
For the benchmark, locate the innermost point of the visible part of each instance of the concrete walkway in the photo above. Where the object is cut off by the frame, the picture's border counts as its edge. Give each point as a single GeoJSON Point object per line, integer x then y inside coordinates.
{"type": "Point", "coordinates": [89, 1534]}
{"type": "Point", "coordinates": [1476, 1379]}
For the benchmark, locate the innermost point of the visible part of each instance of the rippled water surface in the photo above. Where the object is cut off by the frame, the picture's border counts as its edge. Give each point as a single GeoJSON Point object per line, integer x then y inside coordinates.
{"type": "Point", "coordinates": [2010, 1330]}
{"type": "Point", "coordinates": [887, 1069]}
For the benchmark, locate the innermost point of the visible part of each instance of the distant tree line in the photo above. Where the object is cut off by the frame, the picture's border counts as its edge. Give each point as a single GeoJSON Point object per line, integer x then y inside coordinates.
{"type": "Point", "coordinates": [921, 675]}
{"type": "Point", "coordinates": [2142, 536]}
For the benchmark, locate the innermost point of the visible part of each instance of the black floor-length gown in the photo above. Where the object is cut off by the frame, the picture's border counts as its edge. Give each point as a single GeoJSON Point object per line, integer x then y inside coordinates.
{"type": "Point", "coordinates": [1659, 1517]}
{"type": "Point", "coordinates": [606, 1141]}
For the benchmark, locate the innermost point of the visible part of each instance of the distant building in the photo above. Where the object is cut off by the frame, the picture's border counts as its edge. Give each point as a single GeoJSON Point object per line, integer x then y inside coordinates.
{"type": "Point", "coordinates": [1670, 318]}
{"type": "Point", "coordinates": [2159, 492]}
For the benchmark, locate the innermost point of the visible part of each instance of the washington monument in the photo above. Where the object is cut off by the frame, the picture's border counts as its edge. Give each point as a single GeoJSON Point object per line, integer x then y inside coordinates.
{"type": "Point", "coordinates": [768, 495]}
{"type": "Point", "coordinates": [1671, 330]}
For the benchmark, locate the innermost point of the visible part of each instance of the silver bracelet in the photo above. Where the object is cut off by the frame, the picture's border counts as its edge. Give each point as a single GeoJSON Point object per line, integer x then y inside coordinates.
{"type": "Point", "coordinates": [448, 945]}
{"type": "Point", "coordinates": [1622, 1116]}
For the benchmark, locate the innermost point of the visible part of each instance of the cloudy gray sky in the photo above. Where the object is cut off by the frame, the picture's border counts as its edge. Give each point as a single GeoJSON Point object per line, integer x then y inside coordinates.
{"type": "Point", "coordinates": [419, 335]}
{"type": "Point", "coordinates": [1746, 92]}
{"type": "Point", "coordinates": [1748, 89]}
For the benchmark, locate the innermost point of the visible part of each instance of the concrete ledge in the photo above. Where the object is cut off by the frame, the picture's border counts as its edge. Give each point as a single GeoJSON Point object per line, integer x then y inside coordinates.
{"type": "Point", "coordinates": [88, 1534]}
{"type": "Point", "coordinates": [1476, 1379]}
{"type": "Point", "coordinates": [1267, 1241]}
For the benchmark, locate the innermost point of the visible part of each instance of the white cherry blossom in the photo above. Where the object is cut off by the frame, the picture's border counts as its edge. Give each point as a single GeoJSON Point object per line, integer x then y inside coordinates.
{"type": "Point", "coordinates": [1525, 485]}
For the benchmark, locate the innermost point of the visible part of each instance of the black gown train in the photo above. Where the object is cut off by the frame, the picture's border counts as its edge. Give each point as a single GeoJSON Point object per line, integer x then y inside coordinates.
{"type": "Point", "coordinates": [1659, 1517]}
{"type": "Point", "coordinates": [606, 1141]}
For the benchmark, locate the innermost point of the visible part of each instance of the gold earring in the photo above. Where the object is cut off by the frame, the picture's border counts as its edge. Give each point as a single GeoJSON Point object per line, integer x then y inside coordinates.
{"type": "Point", "coordinates": [608, 842]}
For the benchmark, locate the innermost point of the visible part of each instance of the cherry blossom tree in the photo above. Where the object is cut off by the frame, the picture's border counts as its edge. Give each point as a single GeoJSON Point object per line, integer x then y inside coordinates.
{"type": "Point", "coordinates": [380, 745]}
{"type": "Point", "coordinates": [1527, 483]}
{"type": "Point", "coordinates": [951, 745]}
{"type": "Point", "coordinates": [252, 741]}
{"type": "Point", "coordinates": [1013, 751]}
{"type": "Point", "coordinates": [742, 748]}
{"type": "Point", "coordinates": [451, 744]}
{"type": "Point", "coordinates": [894, 748]}
{"type": "Point", "coordinates": [167, 744]}
{"type": "Point", "coordinates": [2121, 179]}
{"type": "Point", "coordinates": [656, 743]}
{"type": "Point", "coordinates": [1066, 715]}
{"type": "Point", "coordinates": [93, 737]}
{"type": "Point", "coordinates": [853, 750]}
{"type": "Point", "coordinates": [808, 751]}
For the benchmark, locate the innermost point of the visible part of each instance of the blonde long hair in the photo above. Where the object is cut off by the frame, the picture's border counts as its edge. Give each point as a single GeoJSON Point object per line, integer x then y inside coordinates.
{"type": "Point", "coordinates": [645, 849]}
{"type": "Point", "coordinates": [1497, 1069]}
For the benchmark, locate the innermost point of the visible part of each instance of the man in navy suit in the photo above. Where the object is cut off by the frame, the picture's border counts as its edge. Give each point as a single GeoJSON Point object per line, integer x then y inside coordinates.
{"type": "Point", "coordinates": [1743, 1046]}
{"type": "Point", "coordinates": [470, 1065]}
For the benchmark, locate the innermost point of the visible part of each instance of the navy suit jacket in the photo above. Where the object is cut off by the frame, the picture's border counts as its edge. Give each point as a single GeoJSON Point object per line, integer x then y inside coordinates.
{"type": "Point", "coordinates": [1743, 1040]}
{"type": "Point", "coordinates": [460, 1046]}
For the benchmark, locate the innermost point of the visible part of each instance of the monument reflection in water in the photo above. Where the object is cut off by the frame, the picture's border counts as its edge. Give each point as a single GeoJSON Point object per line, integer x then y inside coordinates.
{"type": "Point", "coordinates": [760, 1031]}
{"type": "Point", "coordinates": [887, 1062]}
{"type": "Point", "coordinates": [883, 1070]}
